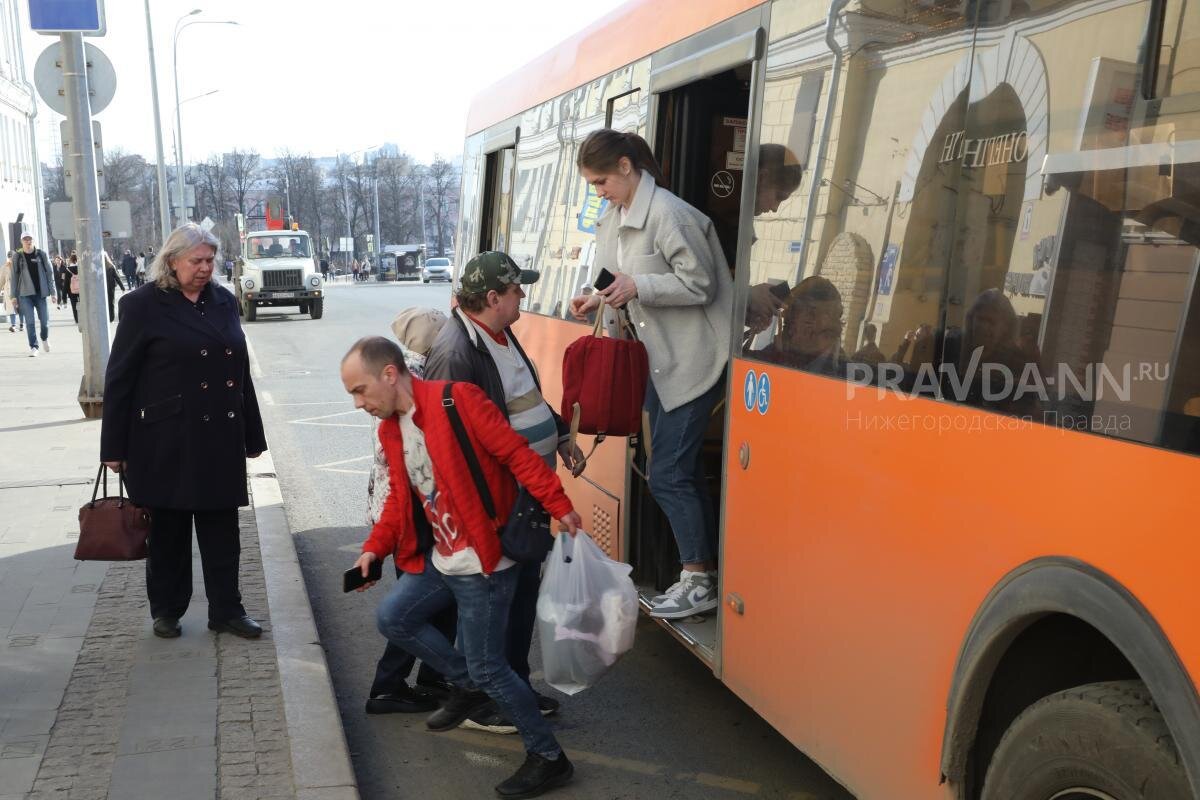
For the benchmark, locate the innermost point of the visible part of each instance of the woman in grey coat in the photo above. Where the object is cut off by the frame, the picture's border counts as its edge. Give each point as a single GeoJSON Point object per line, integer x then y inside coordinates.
{"type": "Point", "coordinates": [671, 275]}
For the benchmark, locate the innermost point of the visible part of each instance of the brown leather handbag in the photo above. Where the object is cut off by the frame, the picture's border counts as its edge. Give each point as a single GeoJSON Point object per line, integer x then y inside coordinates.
{"type": "Point", "coordinates": [112, 528]}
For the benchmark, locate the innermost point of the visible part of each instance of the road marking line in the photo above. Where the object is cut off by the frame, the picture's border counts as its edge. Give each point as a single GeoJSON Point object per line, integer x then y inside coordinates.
{"type": "Point", "coordinates": [255, 369]}
{"type": "Point", "coordinates": [330, 424]}
{"type": "Point", "coordinates": [324, 416]}
{"type": "Point", "coordinates": [266, 396]}
{"type": "Point", "coordinates": [349, 471]}
{"type": "Point", "coordinates": [343, 461]}
{"type": "Point", "coordinates": [315, 403]}
{"type": "Point", "coordinates": [729, 784]}
{"type": "Point", "coordinates": [482, 760]}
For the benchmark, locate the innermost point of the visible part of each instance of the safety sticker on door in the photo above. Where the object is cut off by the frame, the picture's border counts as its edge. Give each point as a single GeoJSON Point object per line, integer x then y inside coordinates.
{"type": "Point", "coordinates": [750, 391]}
{"type": "Point", "coordinates": [756, 393]}
{"type": "Point", "coordinates": [764, 393]}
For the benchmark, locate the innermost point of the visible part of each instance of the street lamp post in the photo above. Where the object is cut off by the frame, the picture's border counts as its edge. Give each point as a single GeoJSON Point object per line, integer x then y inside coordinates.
{"type": "Point", "coordinates": [178, 119]}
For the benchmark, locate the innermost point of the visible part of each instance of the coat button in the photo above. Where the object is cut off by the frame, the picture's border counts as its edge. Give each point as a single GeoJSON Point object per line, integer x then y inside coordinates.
{"type": "Point", "coordinates": [203, 384]}
{"type": "Point", "coordinates": [229, 384]}
{"type": "Point", "coordinates": [230, 415]}
{"type": "Point", "coordinates": [205, 418]}
{"type": "Point", "coordinates": [228, 352]}
{"type": "Point", "coordinates": [203, 352]}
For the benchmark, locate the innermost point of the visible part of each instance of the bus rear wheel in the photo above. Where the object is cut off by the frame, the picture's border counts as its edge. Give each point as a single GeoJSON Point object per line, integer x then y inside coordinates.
{"type": "Point", "coordinates": [317, 307]}
{"type": "Point", "coordinates": [1100, 741]}
{"type": "Point", "coordinates": [251, 311]}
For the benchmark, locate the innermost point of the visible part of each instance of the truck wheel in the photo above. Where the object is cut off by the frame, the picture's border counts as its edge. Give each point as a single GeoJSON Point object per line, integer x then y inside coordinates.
{"type": "Point", "coordinates": [1101, 740]}
{"type": "Point", "coordinates": [304, 308]}
{"type": "Point", "coordinates": [317, 307]}
{"type": "Point", "coordinates": [251, 312]}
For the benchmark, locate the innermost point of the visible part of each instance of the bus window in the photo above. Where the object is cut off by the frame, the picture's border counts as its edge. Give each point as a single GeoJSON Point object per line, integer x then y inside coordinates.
{"type": "Point", "coordinates": [497, 199]}
{"type": "Point", "coordinates": [1178, 69]}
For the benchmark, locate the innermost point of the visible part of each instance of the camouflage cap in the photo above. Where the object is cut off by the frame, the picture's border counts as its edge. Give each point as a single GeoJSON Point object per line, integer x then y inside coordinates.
{"type": "Point", "coordinates": [494, 270]}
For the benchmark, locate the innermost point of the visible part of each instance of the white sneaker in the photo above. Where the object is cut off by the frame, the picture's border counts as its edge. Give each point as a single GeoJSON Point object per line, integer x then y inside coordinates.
{"type": "Point", "coordinates": [33, 352]}
{"type": "Point", "coordinates": [695, 593]}
{"type": "Point", "coordinates": [46, 345]}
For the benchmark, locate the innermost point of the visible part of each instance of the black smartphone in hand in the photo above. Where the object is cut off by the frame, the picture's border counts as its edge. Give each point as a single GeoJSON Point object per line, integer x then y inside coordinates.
{"type": "Point", "coordinates": [603, 280]}
{"type": "Point", "coordinates": [353, 577]}
{"type": "Point", "coordinates": [781, 290]}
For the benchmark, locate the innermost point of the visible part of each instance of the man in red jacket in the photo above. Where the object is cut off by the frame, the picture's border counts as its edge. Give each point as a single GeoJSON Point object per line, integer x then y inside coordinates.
{"type": "Point", "coordinates": [464, 563]}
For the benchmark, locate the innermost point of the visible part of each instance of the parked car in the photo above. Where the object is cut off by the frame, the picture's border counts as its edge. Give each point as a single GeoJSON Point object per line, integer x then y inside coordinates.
{"type": "Point", "coordinates": [436, 269]}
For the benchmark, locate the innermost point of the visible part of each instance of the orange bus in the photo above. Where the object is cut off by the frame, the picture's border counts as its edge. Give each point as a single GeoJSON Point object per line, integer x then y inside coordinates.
{"type": "Point", "coordinates": [956, 558]}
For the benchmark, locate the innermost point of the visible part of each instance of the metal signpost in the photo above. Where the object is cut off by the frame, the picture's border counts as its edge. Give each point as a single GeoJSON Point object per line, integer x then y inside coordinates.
{"type": "Point", "coordinates": [71, 19]}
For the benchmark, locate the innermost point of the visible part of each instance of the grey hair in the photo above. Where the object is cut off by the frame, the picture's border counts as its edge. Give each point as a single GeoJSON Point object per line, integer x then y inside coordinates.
{"type": "Point", "coordinates": [181, 240]}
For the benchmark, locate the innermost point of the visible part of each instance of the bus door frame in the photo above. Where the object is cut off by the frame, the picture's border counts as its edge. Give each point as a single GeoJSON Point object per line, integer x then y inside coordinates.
{"type": "Point", "coordinates": [737, 41]}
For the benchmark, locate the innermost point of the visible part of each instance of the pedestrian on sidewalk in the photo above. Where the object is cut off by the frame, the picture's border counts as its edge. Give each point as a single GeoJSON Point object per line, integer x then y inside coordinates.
{"type": "Point", "coordinates": [478, 346]}
{"type": "Point", "coordinates": [60, 281]}
{"type": "Point", "coordinates": [73, 284]}
{"type": "Point", "coordinates": [112, 280]}
{"type": "Point", "coordinates": [415, 329]}
{"type": "Point", "coordinates": [9, 304]}
{"type": "Point", "coordinates": [33, 284]}
{"type": "Point", "coordinates": [139, 272]}
{"type": "Point", "coordinates": [180, 420]}
{"type": "Point", "coordinates": [465, 565]}
{"type": "Point", "coordinates": [129, 267]}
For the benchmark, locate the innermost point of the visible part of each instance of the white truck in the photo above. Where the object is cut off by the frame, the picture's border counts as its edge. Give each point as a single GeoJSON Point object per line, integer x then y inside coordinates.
{"type": "Point", "coordinates": [277, 268]}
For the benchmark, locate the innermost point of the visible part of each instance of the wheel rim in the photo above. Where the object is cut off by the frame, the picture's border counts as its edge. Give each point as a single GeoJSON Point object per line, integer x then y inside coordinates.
{"type": "Point", "coordinates": [1080, 793]}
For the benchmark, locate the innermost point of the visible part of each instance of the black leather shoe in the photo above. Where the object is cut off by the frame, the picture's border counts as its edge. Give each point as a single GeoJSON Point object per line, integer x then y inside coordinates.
{"type": "Point", "coordinates": [546, 705]}
{"type": "Point", "coordinates": [405, 701]}
{"type": "Point", "coordinates": [462, 704]}
{"type": "Point", "coordinates": [241, 626]}
{"type": "Point", "coordinates": [536, 777]}
{"type": "Point", "coordinates": [438, 687]}
{"type": "Point", "coordinates": [167, 628]}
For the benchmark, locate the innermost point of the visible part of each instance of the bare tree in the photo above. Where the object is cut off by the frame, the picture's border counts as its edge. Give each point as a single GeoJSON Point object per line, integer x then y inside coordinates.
{"type": "Point", "coordinates": [441, 201]}
{"type": "Point", "coordinates": [242, 167]}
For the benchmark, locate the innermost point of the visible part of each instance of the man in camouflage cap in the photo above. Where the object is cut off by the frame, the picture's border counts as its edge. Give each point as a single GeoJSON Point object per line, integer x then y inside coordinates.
{"type": "Point", "coordinates": [494, 271]}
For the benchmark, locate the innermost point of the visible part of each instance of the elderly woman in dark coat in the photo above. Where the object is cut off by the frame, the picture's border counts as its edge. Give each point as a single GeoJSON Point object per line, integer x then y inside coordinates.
{"type": "Point", "coordinates": [180, 419]}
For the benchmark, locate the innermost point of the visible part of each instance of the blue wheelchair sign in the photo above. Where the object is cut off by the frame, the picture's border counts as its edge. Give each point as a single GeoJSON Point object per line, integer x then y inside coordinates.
{"type": "Point", "coordinates": [764, 393]}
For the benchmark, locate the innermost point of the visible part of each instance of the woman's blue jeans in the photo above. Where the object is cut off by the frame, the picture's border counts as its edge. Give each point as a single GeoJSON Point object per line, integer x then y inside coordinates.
{"type": "Point", "coordinates": [677, 481]}
{"type": "Point", "coordinates": [483, 609]}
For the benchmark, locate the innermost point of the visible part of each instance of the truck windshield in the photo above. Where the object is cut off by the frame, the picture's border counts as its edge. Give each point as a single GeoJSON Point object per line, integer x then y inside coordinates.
{"type": "Point", "coordinates": [282, 246]}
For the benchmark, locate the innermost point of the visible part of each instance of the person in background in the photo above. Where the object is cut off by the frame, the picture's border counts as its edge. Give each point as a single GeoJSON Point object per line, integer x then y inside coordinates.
{"type": "Point", "coordinates": [415, 329]}
{"type": "Point", "coordinates": [129, 267]}
{"type": "Point", "coordinates": [180, 419]}
{"type": "Point", "coordinates": [33, 284]}
{"type": "Point", "coordinates": [73, 284]}
{"type": "Point", "coordinates": [9, 305]}
{"type": "Point", "coordinates": [478, 346]}
{"type": "Point", "coordinates": [140, 271]}
{"type": "Point", "coordinates": [61, 279]}
{"type": "Point", "coordinates": [112, 280]}
{"type": "Point", "coordinates": [671, 274]}
{"type": "Point", "coordinates": [465, 565]}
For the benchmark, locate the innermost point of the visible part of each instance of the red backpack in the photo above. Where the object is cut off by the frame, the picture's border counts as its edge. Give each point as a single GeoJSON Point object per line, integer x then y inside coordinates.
{"type": "Point", "coordinates": [604, 383]}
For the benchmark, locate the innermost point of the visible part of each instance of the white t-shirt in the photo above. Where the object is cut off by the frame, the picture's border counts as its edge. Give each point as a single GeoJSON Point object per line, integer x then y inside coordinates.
{"type": "Point", "coordinates": [527, 410]}
{"type": "Point", "coordinates": [452, 555]}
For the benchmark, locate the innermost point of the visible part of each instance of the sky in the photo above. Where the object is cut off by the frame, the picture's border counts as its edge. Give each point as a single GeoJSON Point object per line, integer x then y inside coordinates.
{"type": "Point", "coordinates": [315, 77]}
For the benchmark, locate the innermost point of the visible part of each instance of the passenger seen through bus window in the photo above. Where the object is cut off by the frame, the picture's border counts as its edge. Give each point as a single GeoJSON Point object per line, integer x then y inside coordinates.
{"type": "Point", "coordinates": [779, 176]}
{"type": "Point", "coordinates": [672, 276]}
{"type": "Point", "coordinates": [811, 331]}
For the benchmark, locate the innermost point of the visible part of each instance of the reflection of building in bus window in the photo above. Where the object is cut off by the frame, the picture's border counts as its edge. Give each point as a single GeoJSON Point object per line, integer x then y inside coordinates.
{"type": "Point", "coordinates": [992, 329]}
{"type": "Point", "coordinates": [811, 333]}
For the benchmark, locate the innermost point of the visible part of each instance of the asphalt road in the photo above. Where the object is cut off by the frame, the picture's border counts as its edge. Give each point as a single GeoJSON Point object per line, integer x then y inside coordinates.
{"type": "Point", "coordinates": [659, 725]}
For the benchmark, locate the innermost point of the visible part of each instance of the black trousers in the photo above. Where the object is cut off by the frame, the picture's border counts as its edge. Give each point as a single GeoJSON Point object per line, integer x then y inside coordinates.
{"type": "Point", "coordinates": [169, 566]}
{"type": "Point", "coordinates": [395, 665]}
{"type": "Point", "coordinates": [74, 298]}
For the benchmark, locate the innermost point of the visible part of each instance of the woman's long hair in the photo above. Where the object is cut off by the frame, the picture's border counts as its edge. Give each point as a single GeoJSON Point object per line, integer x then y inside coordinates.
{"type": "Point", "coordinates": [603, 150]}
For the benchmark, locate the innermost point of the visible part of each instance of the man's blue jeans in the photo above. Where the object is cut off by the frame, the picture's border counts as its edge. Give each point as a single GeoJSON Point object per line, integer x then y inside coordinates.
{"type": "Point", "coordinates": [28, 304]}
{"type": "Point", "coordinates": [677, 481]}
{"type": "Point", "coordinates": [483, 602]}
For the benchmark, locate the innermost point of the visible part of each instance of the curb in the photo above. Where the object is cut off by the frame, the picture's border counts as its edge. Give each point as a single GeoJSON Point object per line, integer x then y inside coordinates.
{"type": "Point", "coordinates": [321, 767]}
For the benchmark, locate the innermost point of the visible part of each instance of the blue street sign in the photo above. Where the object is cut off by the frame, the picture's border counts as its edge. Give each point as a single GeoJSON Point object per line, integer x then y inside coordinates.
{"type": "Point", "coordinates": [67, 16]}
{"type": "Point", "coordinates": [764, 393]}
{"type": "Point", "coordinates": [750, 391]}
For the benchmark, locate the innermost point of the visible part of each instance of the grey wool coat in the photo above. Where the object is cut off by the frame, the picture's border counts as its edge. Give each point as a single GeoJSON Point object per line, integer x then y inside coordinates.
{"type": "Point", "coordinates": [684, 306]}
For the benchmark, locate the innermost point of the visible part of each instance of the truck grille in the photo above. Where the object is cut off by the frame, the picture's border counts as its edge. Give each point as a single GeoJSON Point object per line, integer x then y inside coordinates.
{"type": "Point", "coordinates": [282, 279]}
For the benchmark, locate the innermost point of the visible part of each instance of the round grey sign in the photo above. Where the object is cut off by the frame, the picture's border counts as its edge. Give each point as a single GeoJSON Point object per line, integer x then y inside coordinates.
{"type": "Point", "coordinates": [101, 78]}
{"type": "Point", "coordinates": [722, 183]}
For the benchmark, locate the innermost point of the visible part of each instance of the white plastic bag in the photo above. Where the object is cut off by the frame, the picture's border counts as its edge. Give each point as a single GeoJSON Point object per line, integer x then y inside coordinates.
{"type": "Point", "coordinates": [586, 613]}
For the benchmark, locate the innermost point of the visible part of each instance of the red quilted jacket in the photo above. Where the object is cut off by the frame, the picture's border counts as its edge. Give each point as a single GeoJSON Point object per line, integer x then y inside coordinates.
{"type": "Point", "coordinates": [503, 454]}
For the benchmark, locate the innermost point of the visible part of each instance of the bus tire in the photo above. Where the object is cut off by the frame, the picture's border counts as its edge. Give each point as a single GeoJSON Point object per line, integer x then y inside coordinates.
{"type": "Point", "coordinates": [251, 312]}
{"type": "Point", "coordinates": [1102, 739]}
{"type": "Point", "coordinates": [317, 307]}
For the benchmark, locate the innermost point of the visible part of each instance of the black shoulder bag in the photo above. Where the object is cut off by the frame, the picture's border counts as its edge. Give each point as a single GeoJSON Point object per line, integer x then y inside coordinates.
{"type": "Point", "coordinates": [526, 536]}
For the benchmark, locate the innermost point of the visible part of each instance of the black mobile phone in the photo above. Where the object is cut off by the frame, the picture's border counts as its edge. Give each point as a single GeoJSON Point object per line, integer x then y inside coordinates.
{"type": "Point", "coordinates": [603, 280]}
{"type": "Point", "coordinates": [353, 577]}
{"type": "Point", "coordinates": [781, 290]}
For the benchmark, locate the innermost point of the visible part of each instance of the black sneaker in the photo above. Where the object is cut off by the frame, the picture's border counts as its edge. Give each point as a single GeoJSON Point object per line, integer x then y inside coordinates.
{"type": "Point", "coordinates": [461, 704]}
{"type": "Point", "coordinates": [438, 687]}
{"type": "Point", "coordinates": [405, 701]}
{"type": "Point", "coordinates": [536, 776]}
{"type": "Point", "coordinates": [490, 719]}
{"type": "Point", "coordinates": [547, 705]}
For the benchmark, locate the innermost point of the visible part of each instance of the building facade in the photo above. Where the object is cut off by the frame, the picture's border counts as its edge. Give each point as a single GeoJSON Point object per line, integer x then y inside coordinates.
{"type": "Point", "coordinates": [20, 184]}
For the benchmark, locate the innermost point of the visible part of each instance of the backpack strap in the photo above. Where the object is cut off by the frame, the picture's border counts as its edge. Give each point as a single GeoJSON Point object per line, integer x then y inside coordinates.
{"type": "Point", "coordinates": [464, 443]}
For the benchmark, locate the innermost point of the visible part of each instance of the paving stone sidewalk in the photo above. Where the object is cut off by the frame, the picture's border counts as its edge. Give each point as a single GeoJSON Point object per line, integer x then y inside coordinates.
{"type": "Point", "coordinates": [92, 704]}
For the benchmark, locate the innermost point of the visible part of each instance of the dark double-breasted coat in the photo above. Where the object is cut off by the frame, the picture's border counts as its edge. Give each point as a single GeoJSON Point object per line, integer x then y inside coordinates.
{"type": "Point", "coordinates": [179, 404]}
